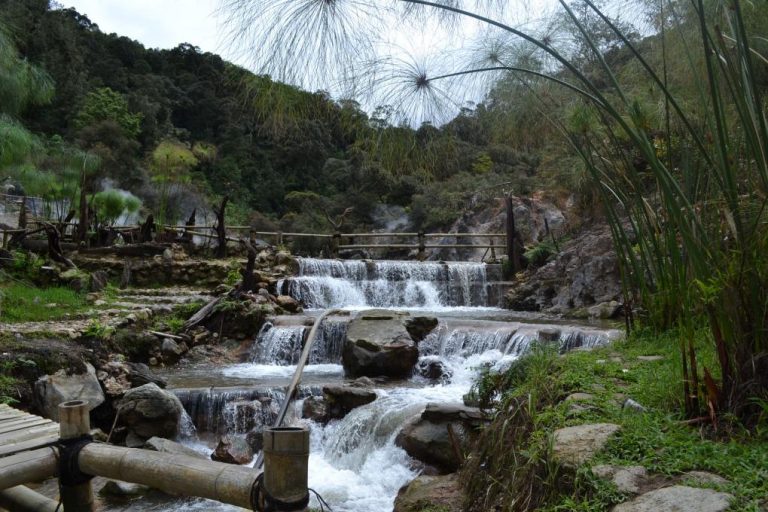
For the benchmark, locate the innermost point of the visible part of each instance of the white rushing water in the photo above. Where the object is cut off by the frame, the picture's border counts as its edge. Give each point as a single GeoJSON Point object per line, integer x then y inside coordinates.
{"type": "Point", "coordinates": [354, 462]}
{"type": "Point", "coordinates": [347, 283]}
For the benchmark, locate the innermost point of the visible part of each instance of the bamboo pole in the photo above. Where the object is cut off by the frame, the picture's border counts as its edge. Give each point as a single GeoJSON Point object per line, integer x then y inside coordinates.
{"type": "Point", "coordinates": [75, 422]}
{"type": "Point", "coordinates": [286, 454]}
{"type": "Point", "coordinates": [24, 499]}
{"type": "Point", "coordinates": [29, 466]}
{"type": "Point", "coordinates": [171, 473]}
{"type": "Point", "coordinates": [297, 375]}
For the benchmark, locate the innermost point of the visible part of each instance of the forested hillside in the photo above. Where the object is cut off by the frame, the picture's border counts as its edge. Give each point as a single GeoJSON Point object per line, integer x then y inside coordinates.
{"type": "Point", "coordinates": [180, 128]}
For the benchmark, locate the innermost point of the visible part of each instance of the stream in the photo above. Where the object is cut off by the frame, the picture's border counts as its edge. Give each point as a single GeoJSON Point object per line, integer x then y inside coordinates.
{"type": "Point", "coordinates": [354, 463]}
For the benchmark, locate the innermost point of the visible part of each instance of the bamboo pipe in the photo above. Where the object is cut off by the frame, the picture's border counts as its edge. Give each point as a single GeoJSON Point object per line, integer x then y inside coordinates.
{"type": "Point", "coordinates": [29, 466]}
{"type": "Point", "coordinates": [24, 499]}
{"type": "Point", "coordinates": [173, 474]}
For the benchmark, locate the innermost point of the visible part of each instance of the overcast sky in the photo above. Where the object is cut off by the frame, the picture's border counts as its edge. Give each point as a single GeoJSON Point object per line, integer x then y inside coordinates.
{"type": "Point", "coordinates": [168, 23]}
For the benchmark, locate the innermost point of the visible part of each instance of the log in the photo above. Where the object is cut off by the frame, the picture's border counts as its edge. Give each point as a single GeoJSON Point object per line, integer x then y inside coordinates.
{"type": "Point", "coordinates": [143, 250]}
{"type": "Point", "coordinates": [248, 283]}
{"type": "Point", "coordinates": [173, 474]}
{"type": "Point", "coordinates": [24, 499]}
{"type": "Point", "coordinates": [54, 246]}
{"type": "Point", "coordinates": [202, 313]}
{"type": "Point", "coordinates": [30, 466]}
{"type": "Point", "coordinates": [74, 422]}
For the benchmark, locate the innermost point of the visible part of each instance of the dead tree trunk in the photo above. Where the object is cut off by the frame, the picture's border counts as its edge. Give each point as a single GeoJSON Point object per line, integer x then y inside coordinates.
{"type": "Point", "coordinates": [23, 213]}
{"type": "Point", "coordinates": [54, 246]}
{"type": "Point", "coordinates": [65, 223]}
{"type": "Point", "coordinates": [249, 283]}
{"type": "Point", "coordinates": [82, 221]}
{"type": "Point", "coordinates": [189, 226]}
{"type": "Point", "coordinates": [145, 233]}
{"type": "Point", "coordinates": [221, 230]}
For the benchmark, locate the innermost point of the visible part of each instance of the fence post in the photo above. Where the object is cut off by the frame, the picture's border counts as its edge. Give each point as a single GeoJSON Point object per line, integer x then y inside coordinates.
{"type": "Point", "coordinates": [512, 252]}
{"type": "Point", "coordinates": [422, 247]}
{"type": "Point", "coordinates": [74, 423]}
{"type": "Point", "coordinates": [279, 238]}
{"type": "Point", "coordinates": [335, 242]}
{"type": "Point", "coordinates": [493, 250]}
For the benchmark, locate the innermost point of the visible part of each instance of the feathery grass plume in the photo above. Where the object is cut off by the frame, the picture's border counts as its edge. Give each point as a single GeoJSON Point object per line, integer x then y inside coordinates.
{"type": "Point", "coordinates": [302, 41]}
{"type": "Point", "coordinates": [21, 83]}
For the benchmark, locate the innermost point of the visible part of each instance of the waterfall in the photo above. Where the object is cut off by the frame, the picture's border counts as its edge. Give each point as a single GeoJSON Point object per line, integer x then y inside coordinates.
{"type": "Point", "coordinates": [511, 338]}
{"type": "Point", "coordinates": [342, 283]}
{"type": "Point", "coordinates": [282, 345]}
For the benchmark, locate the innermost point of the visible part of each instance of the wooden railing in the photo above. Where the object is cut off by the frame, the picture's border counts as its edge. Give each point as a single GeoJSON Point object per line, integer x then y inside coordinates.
{"type": "Point", "coordinates": [336, 242]}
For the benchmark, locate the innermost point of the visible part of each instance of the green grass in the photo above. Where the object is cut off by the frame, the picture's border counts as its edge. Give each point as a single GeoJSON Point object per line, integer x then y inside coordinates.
{"type": "Point", "coordinates": [657, 439]}
{"type": "Point", "coordinates": [23, 303]}
{"type": "Point", "coordinates": [7, 383]}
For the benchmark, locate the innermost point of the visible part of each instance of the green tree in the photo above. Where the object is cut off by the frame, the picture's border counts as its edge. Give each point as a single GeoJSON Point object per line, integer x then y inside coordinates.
{"type": "Point", "coordinates": [170, 164]}
{"type": "Point", "coordinates": [104, 104]}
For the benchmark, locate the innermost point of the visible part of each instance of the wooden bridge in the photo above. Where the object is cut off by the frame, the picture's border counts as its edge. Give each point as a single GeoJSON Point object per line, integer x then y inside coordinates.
{"type": "Point", "coordinates": [33, 449]}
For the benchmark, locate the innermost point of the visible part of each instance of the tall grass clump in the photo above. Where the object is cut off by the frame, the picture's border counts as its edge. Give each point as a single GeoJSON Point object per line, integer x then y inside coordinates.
{"type": "Point", "coordinates": [677, 153]}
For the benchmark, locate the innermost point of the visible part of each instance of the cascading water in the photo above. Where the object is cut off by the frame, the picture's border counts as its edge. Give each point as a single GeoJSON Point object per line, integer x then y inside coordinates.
{"type": "Point", "coordinates": [354, 462]}
{"type": "Point", "coordinates": [335, 283]}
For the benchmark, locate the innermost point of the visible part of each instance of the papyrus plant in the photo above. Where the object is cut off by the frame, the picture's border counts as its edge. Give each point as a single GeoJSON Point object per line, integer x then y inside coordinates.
{"type": "Point", "coordinates": [685, 196]}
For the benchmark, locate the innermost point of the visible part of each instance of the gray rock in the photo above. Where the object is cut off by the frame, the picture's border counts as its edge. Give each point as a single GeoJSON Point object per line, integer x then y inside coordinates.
{"type": "Point", "coordinates": [678, 498]}
{"type": "Point", "coordinates": [704, 478]}
{"type": "Point", "coordinates": [158, 444]}
{"type": "Point", "coordinates": [633, 406]}
{"type": "Point", "coordinates": [579, 397]}
{"type": "Point", "coordinates": [627, 479]}
{"type": "Point", "coordinates": [585, 273]}
{"type": "Point", "coordinates": [378, 344]}
{"type": "Point", "coordinates": [432, 368]}
{"type": "Point", "coordinates": [430, 443]}
{"type": "Point", "coordinates": [427, 438]}
{"type": "Point", "coordinates": [650, 358]}
{"type": "Point", "coordinates": [288, 303]}
{"type": "Point", "coordinates": [549, 335]}
{"type": "Point", "coordinates": [430, 493]}
{"type": "Point", "coordinates": [148, 411]}
{"type": "Point", "coordinates": [52, 390]}
{"type": "Point", "coordinates": [605, 310]}
{"type": "Point", "coordinates": [172, 350]}
{"type": "Point", "coordinates": [233, 449]}
{"type": "Point", "coordinates": [315, 409]}
{"type": "Point", "coordinates": [120, 488]}
{"type": "Point", "coordinates": [99, 281]}
{"type": "Point", "coordinates": [575, 445]}
{"type": "Point", "coordinates": [342, 399]}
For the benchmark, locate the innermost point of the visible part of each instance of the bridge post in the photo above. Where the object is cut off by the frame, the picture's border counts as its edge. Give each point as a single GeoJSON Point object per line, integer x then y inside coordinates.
{"type": "Point", "coordinates": [286, 457]}
{"type": "Point", "coordinates": [75, 423]}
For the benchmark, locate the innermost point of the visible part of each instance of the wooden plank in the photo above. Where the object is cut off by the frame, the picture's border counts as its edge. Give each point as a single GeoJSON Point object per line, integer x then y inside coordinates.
{"type": "Point", "coordinates": [12, 426]}
{"type": "Point", "coordinates": [30, 444]}
{"type": "Point", "coordinates": [30, 433]}
{"type": "Point", "coordinates": [12, 415]}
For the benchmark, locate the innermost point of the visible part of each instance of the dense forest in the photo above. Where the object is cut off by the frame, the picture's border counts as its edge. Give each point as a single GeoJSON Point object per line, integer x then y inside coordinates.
{"type": "Point", "coordinates": [180, 128]}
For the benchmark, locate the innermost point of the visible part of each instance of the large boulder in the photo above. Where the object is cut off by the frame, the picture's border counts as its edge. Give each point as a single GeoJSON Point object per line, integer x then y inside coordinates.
{"type": "Point", "coordinates": [441, 435]}
{"type": "Point", "coordinates": [340, 400]}
{"type": "Point", "coordinates": [430, 493]}
{"type": "Point", "coordinates": [378, 344]}
{"type": "Point", "coordinates": [52, 390]}
{"type": "Point", "coordinates": [149, 411]}
{"type": "Point", "coordinates": [584, 274]}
